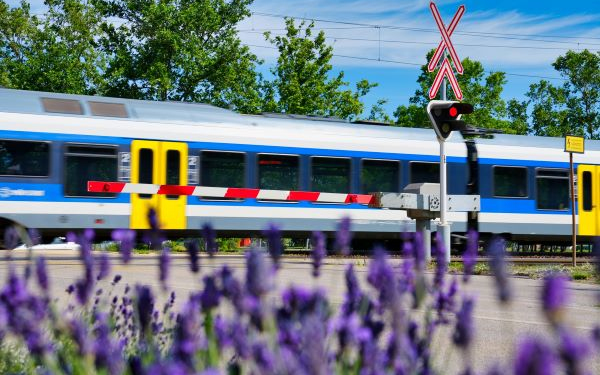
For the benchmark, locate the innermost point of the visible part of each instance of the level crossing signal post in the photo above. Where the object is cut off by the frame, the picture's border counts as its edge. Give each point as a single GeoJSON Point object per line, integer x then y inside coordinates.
{"type": "Point", "coordinates": [445, 116]}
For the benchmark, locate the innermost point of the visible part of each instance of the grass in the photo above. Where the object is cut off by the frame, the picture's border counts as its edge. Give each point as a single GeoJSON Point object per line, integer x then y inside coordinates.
{"type": "Point", "coordinates": [583, 272]}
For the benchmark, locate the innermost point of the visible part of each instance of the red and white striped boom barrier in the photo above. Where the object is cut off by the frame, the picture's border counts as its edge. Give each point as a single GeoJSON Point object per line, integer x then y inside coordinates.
{"type": "Point", "coordinates": [223, 192]}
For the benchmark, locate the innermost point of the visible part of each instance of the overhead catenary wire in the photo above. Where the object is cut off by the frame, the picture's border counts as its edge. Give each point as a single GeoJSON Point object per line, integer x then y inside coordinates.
{"type": "Point", "coordinates": [412, 63]}
{"type": "Point", "coordinates": [529, 37]}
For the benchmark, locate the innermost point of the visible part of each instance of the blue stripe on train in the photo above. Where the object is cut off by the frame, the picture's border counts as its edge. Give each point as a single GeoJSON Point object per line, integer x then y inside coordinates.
{"type": "Point", "coordinates": [53, 193]}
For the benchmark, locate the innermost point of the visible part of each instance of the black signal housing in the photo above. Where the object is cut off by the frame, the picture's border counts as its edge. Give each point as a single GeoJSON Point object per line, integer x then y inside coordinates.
{"type": "Point", "coordinates": [445, 116]}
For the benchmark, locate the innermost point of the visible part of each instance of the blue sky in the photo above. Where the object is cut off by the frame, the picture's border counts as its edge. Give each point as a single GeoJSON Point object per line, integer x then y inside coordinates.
{"type": "Point", "coordinates": [517, 37]}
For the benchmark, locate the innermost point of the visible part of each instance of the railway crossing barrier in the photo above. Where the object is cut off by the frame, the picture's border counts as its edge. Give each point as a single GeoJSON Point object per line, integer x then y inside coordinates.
{"type": "Point", "coordinates": [421, 201]}
{"type": "Point", "coordinates": [422, 204]}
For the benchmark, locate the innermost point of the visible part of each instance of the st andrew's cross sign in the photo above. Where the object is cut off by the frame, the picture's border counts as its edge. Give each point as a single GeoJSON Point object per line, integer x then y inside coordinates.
{"type": "Point", "coordinates": [445, 44]}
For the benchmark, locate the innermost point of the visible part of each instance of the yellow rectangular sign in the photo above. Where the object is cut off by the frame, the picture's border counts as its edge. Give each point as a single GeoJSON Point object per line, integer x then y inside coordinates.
{"type": "Point", "coordinates": [574, 144]}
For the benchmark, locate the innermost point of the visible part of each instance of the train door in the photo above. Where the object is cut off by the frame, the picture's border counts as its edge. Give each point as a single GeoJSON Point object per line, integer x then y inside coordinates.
{"type": "Point", "coordinates": [159, 163]}
{"type": "Point", "coordinates": [588, 186]}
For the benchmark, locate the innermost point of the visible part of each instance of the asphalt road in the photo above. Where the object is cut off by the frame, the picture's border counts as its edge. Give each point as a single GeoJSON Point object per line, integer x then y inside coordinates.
{"type": "Point", "coordinates": [498, 327]}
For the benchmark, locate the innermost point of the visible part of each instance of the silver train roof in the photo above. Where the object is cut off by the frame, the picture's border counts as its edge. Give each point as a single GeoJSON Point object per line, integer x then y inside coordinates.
{"type": "Point", "coordinates": [31, 102]}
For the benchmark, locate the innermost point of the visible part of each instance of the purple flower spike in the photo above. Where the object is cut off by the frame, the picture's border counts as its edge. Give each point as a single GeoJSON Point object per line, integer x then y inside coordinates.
{"type": "Point", "coordinates": [273, 234]}
{"type": "Point", "coordinates": [11, 237]}
{"type": "Point", "coordinates": [382, 277]}
{"type": "Point", "coordinates": [34, 236]}
{"type": "Point", "coordinates": [116, 279]}
{"type": "Point", "coordinates": [210, 239]}
{"type": "Point", "coordinates": [127, 239]}
{"type": "Point", "coordinates": [164, 262]}
{"type": "Point", "coordinates": [574, 352]}
{"type": "Point", "coordinates": [210, 296]}
{"type": "Point", "coordinates": [145, 306]}
{"type": "Point", "coordinates": [153, 220]}
{"type": "Point", "coordinates": [441, 265]}
{"type": "Point", "coordinates": [463, 332]}
{"type": "Point", "coordinates": [103, 266]}
{"type": "Point", "coordinates": [42, 273]}
{"type": "Point", "coordinates": [193, 250]}
{"type": "Point", "coordinates": [496, 250]}
{"type": "Point", "coordinates": [419, 251]}
{"type": "Point", "coordinates": [318, 252]}
{"type": "Point", "coordinates": [353, 295]}
{"type": "Point", "coordinates": [258, 277]}
{"type": "Point", "coordinates": [343, 236]}
{"type": "Point", "coordinates": [554, 296]}
{"type": "Point", "coordinates": [534, 357]}
{"type": "Point", "coordinates": [470, 255]}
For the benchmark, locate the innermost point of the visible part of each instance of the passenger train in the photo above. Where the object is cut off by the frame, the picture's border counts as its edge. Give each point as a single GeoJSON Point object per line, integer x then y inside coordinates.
{"type": "Point", "coordinates": [52, 144]}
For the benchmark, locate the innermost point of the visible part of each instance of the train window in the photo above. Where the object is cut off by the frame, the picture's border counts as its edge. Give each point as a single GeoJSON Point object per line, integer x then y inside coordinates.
{"type": "Point", "coordinates": [278, 172]}
{"type": "Point", "coordinates": [146, 169]}
{"type": "Point", "coordinates": [587, 191]}
{"type": "Point", "coordinates": [89, 162]}
{"type": "Point", "coordinates": [24, 158]}
{"type": "Point", "coordinates": [510, 182]}
{"type": "Point", "coordinates": [173, 170]}
{"type": "Point", "coordinates": [330, 175]}
{"type": "Point", "coordinates": [108, 109]}
{"type": "Point", "coordinates": [379, 175]}
{"type": "Point", "coordinates": [222, 169]}
{"type": "Point", "coordinates": [424, 172]}
{"type": "Point", "coordinates": [552, 187]}
{"type": "Point", "coordinates": [62, 106]}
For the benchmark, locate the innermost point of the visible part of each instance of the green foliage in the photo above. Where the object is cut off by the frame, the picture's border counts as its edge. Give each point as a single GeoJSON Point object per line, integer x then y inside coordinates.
{"type": "Point", "coordinates": [481, 90]}
{"type": "Point", "coordinates": [14, 359]}
{"type": "Point", "coordinates": [574, 107]}
{"type": "Point", "coordinates": [302, 83]}
{"type": "Point", "coordinates": [378, 113]}
{"type": "Point", "coordinates": [228, 244]}
{"type": "Point", "coordinates": [54, 53]}
{"type": "Point", "coordinates": [179, 50]}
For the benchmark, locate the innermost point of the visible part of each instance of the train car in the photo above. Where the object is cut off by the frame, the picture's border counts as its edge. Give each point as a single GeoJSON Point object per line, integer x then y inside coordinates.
{"type": "Point", "coordinates": [52, 144]}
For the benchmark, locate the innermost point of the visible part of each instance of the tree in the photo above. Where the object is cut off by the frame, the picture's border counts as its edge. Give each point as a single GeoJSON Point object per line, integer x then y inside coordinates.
{"type": "Point", "coordinates": [484, 92]}
{"type": "Point", "coordinates": [55, 53]}
{"type": "Point", "coordinates": [378, 113]}
{"type": "Point", "coordinates": [182, 50]}
{"type": "Point", "coordinates": [302, 83]}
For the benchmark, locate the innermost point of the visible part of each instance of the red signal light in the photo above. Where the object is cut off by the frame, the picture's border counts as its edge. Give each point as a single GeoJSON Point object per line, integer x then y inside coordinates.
{"type": "Point", "coordinates": [453, 111]}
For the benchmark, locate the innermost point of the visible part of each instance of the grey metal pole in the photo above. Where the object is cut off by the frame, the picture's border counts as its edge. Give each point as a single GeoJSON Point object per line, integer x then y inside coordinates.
{"type": "Point", "coordinates": [443, 227]}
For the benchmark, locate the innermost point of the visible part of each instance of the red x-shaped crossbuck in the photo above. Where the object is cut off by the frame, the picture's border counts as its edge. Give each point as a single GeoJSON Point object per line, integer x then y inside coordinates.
{"type": "Point", "coordinates": [445, 43]}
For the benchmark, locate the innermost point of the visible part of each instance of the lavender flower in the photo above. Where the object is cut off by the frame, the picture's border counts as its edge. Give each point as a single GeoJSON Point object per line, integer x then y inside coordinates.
{"type": "Point", "coordinates": [193, 251]}
{"type": "Point", "coordinates": [318, 252]}
{"type": "Point", "coordinates": [534, 357]}
{"type": "Point", "coordinates": [463, 331]}
{"type": "Point", "coordinates": [419, 251]}
{"type": "Point", "coordinates": [126, 238]}
{"type": "Point", "coordinates": [34, 236]}
{"type": "Point", "coordinates": [554, 296]}
{"type": "Point", "coordinates": [145, 306]}
{"type": "Point", "coordinates": [79, 334]}
{"type": "Point", "coordinates": [470, 255]}
{"type": "Point", "coordinates": [354, 295]}
{"type": "Point", "coordinates": [258, 278]}
{"type": "Point", "coordinates": [116, 279]}
{"type": "Point", "coordinates": [108, 353]}
{"type": "Point", "coordinates": [441, 265]}
{"type": "Point", "coordinates": [496, 251]}
{"type": "Point", "coordinates": [343, 236]}
{"type": "Point", "coordinates": [263, 358]}
{"type": "Point", "coordinates": [164, 262]}
{"type": "Point", "coordinates": [210, 239]}
{"type": "Point", "coordinates": [11, 237]}
{"type": "Point", "coordinates": [153, 220]}
{"type": "Point", "coordinates": [231, 288]}
{"type": "Point", "coordinates": [381, 277]}
{"type": "Point", "coordinates": [186, 336]}
{"type": "Point", "coordinates": [210, 296]}
{"type": "Point", "coordinates": [103, 266]}
{"type": "Point", "coordinates": [273, 234]}
{"type": "Point", "coordinates": [42, 273]}
{"type": "Point", "coordinates": [573, 351]}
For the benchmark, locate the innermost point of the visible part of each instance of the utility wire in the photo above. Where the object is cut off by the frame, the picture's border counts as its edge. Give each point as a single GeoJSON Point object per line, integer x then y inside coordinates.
{"type": "Point", "coordinates": [391, 41]}
{"type": "Point", "coordinates": [412, 63]}
{"type": "Point", "coordinates": [530, 37]}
